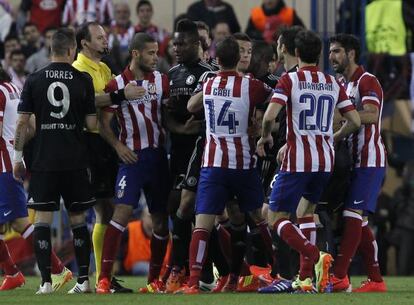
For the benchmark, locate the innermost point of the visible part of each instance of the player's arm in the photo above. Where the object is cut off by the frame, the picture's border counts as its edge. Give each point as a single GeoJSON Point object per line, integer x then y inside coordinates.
{"type": "Point", "coordinates": [91, 122]}
{"type": "Point", "coordinates": [105, 130]}
{"type": "Point", "coordinates": [371, 95]}
{"type": "Point", "coordinates": [130, 92]}
{"type": "Point", "coordinates": [195, 103]}
{"type": "Point", "coordinates": [23, 123]}
{"type": "Point", "coordinates": [352, 124]}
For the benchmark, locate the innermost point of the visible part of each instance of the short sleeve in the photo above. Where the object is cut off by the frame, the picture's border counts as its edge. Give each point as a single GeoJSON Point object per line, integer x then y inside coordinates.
{"type": "Point", "coordinates": [282, 90]}
{"type": "Point", "coordinates": [89, 96]}
{"type": "Point", "coordinates": [111, 86]}
{"type": "Point", "coordinates": [370, 91]}
{"type": "Point", "coordinates": [344, 104]}
{"type": "Point", "coordinates": [258, 91]}
{"type": "Point", "coordinates": [26, 104]}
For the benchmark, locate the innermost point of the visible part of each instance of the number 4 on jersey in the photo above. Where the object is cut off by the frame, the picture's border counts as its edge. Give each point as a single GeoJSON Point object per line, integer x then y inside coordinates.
{"type": "Point", "coordinates": [225, 118]}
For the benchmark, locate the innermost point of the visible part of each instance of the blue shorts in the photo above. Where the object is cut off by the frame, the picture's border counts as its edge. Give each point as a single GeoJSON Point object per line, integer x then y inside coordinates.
{"type": "Point", "coordinates": [12, 199]}
{"type": "Point", "coordinates": [217, 186]}
{"type": "Point", "coordinates": [150, 174]}
{"type": "Point", "coordinates": [289, 188]}
{"type": "Point", "coordinates": [365, 187]}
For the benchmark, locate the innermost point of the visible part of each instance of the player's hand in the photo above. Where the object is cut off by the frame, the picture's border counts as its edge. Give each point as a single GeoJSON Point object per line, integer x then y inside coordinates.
{"type": "Point", "coordinates": [133, 92]}
{"type": "Point", "coordinates": [281, 154]}
{"type": "Point", "coordinates": [19, 171]}
{"type": "Point", "coordinates": [261, 145]}
{"type": "Point", "coordinates": [192, 126]}
{"type": "Point", "coordinates": [125, 154]}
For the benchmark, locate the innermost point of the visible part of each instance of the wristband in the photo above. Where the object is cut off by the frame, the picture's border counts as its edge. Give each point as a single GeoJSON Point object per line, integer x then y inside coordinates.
{"type": "Point", "coordinates": [18, 156]}
{"type": "Point", "coordinates": [117, 97]}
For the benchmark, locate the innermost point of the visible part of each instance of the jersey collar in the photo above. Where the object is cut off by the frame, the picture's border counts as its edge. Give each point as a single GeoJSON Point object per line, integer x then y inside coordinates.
{"type": "Point", "coordinates": [357, 74]}
{"type": "Point", "coordinates": [87, 61]}
{"type": "Point", "coordinates": [130, 76]}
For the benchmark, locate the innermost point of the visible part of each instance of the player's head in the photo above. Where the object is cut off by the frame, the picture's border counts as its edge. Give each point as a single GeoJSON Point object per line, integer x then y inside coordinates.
{"type": "Point", "coordinates": [64, 44]}
{"type": "Point", "coordinates": [4, 76]}
{"type": "Point", "coordinates": [228, 53]}
{"type": "Point", "coordinates": [144, 12]}
{"type": "Point", "coordinates": [344, 49]}
{"type": "Point", "coordinates": [245, 49]}
{"type": "Point", "coordinates": [308, 46]}
{"type": "Point", "coordinates": [186, 41]}
{"type": "Point", "coordinates": [204, 31]}
{"type": "Point", "coordinates": [92, 39]}
{"type": "Point", "coordinates": [286, 42]}
{"type": "Point", "coordinates": [143, 50]}
{"type": "Point", "coordinates": [262, 55]}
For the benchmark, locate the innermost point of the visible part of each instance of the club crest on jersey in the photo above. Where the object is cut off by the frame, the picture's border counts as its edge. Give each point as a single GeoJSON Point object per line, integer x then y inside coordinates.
{"type": "Point", "coordinates": [190, 79]}
{"type": "Point", "coordinates": [120, 194]}
{"type": "Point", "coordinates": [151, 88]}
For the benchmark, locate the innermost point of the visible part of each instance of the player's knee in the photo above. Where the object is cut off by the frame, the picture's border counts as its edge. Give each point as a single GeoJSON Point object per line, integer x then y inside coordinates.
{"type": "Point", "coordinates": [77, 218]}
{"type": "Point", "coordinates": [122, 213]}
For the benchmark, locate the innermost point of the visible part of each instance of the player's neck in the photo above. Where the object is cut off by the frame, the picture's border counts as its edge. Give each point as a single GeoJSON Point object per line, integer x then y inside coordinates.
{"type": "Point", "coordinates": [61, 59]}
{"type": "Point", "coordinates": [290, 62]}
{"type": "Point", "coordinates": [302, 64]}
{"type": "Point", "coordinates": [138, 73]}
{"type": "Point", "coordinates": [349, 71]}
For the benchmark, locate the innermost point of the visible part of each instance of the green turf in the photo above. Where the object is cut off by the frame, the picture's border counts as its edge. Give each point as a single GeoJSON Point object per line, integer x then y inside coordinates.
{"type": "Point", "coordinates": [401, 291]}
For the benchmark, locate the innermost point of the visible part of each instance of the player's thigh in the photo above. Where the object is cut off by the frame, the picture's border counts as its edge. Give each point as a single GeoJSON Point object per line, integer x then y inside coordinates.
{"type": "Point", "coordinates": [12, 199]}
{"type": "Point", "coordinates": [75, 189]}
{"type": "Point", "coordinates": [129, 183]}
{"type": "Point", "coordinates": [287, 190]}
{"type": "Point", "coordinates": [44, 192]}
{"type": "Point", "coordinates": [213, 191]}
{"type": "Point", "coordinates": [192, 175]}
{"type": "Point", "coordinates": [364, 189]}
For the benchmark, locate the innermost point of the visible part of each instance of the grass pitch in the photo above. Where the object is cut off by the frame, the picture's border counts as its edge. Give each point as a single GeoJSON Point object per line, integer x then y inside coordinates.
{"type": "Point", "coordinates": [401, 291]}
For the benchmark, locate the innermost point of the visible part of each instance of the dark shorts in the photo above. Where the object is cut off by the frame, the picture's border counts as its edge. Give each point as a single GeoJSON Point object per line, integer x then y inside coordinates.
{"type": "Point", "coordinates": [103, 166]}
{"type": "Point", "coordinates": [190, 181]}
{"type": "Point", "coordinates": [150, 174]}
{"type": "Point", "coordinates": [182, 148]}
{"type": "Point", "coordinates": [365, 187]}
{"type": "Point", "coordinates": [218, 186]}
{"type": "Point", "coordinates": [73, 186]}
{"type": "Point", "coordinates": [289, 188]}
{"type": "Point", "coordinates": [13, 199]}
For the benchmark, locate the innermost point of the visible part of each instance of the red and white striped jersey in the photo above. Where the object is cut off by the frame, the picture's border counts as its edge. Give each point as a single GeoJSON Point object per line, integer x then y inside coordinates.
{"type": "Point", "coordinates": [229, 103]}
{"type": "Point", "coordinates": [77, 12]}
{"type": "Point", "coordinates": [366, 144]}
{"type": "Point", "coordinates": [310, 97]}
{"type": "Point", "coordinates": [140, 120]}
{"type": "Point", "coordinates": [9, 99]}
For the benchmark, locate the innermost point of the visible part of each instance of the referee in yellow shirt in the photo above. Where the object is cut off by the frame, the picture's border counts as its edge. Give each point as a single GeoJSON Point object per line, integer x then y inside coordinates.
{"type": "Point", "coordinates": [93, 45]}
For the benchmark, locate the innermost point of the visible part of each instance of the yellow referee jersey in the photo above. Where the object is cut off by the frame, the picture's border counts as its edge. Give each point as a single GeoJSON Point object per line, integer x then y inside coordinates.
{"type": "Point", "coordinates": [100, 73]}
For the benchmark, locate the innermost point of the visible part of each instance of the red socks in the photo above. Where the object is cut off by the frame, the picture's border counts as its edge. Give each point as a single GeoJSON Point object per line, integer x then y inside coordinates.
{"type": "Point", "coordinates": [198, 254]}
{"type": "Point", "coordinates": [111, 243]}
{"type": "Point", "coordinates": [308, 228]}
{"type": "Point", "coordinates": [349, 244]}
{"type": "Point", "coordinates": [369, 249]}
{"type": "Point", "coordinates": [295, 239]}
{"type": "Point", "coordinates": [158, 249]}
{"type": "Point", "coordinates": [6, 261]}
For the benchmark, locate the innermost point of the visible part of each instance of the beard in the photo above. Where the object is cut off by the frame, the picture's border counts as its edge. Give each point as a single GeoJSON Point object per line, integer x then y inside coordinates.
{"type": "Point", "coordinates": [104, 52]}
{"type": "Point", "coordinates": [145, 68]}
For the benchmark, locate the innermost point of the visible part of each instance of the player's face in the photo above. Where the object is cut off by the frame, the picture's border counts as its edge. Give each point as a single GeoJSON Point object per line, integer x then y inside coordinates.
{"type": "Point", "coordinates": [245, 48]}
{"type": "Point", "coordinates": [279, 50]}
{"type": "Point", "coordinates": [185, 50]}
{"type": "Point", "coordinates": [148, 58]}
{"type": "Point", "coordinates": [203, 33]}
{"type": "Point", "coordinates": [99, 40]}
{"type": "Point", "coordinates": [338, 58]}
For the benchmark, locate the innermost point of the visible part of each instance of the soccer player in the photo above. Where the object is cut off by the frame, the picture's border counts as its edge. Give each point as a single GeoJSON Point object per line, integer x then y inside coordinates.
{"type": "Point", "coordinates": [184, 130]}
{"type": "Point", "coordinates": [144, 159]}
{"type": "Point", "coordinates": [228, 163]}
{"type": "Point", "coordinates": [369, 161]}
{"type": "Point", "coordinates": [93, 45]}
{"type": "Point", "coordinates": [310, 97]}
{"type": "Point", "coordinates": [59, 165]}
{"type": "Point", "coordinates": [245, 48]}
{"type": "Point", "coordinates": [13, 200]}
